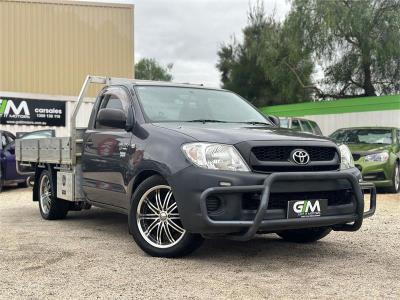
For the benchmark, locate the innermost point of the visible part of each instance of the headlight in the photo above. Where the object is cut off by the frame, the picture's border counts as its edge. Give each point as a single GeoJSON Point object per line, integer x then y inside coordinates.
{"type": "Point", "coordinates": [347, 161]}
{"type": "Point", "coordinates": [377, 157]}
{"type": "Point", "coordinates": [215, 156]}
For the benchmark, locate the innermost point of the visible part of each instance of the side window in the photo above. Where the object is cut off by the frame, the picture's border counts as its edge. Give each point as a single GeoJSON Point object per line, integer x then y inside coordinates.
{"type": "Point", "coordinates": [398, 136]}
{"type": "Point", "coordinates": [306, 126]}
{"type": "Point", "coordinates": [114, 102]}
{"type": "Point", "coordinates": [284, 122]}
{"type": "Point", "coordinates": [114, 98]}
{"type": "Point", "coordinates": [315, 128]}
{"type": "Point", "coordinates": [296, 125]}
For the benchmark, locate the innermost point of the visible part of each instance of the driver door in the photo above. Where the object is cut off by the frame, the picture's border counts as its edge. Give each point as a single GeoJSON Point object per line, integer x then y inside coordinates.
{"type": "Point", "coordinates": [105, 157]}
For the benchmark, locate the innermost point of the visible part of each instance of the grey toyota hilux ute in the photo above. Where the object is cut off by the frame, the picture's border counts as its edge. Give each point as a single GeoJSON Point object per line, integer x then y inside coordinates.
{"type": "Point", "coordinates": [186, 162]}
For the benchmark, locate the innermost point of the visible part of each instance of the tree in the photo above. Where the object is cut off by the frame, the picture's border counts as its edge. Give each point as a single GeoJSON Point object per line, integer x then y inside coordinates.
{"type": "Point", "coordinates": [257, 68]}
{"type": "Point", "coordinates": [357, 43]}
{"type": "Point", "coordinates": [150, 69]}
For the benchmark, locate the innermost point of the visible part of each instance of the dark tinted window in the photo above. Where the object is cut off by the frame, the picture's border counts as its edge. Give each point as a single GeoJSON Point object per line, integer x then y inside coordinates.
{"type": "Point", "coordinates": [398, 136]}
{"type": "Point", "coordinates": [315, 127]}
{"type": "Point", "coordinates": [114, 102]}
{"type": "Point", "coordinates": [114, 98]}
{"type": "Point", "coordinates": [306, 126]}
{"type": "Point", "coordinates": [296, 125]}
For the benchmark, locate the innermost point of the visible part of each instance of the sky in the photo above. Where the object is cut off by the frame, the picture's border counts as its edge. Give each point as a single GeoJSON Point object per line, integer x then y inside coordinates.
{"type": "Point", "coordinates": [188, 33]}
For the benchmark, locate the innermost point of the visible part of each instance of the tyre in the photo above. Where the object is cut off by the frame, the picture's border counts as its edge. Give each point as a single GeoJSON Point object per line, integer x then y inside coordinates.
{"type": "Point", "coordinates": [51, 208]}
{"type": "Point", "coordinates": [395, 188]}
{"type": "Point", "coordinates": [306, 235]}
{"type": "Point", "coordinates": [154, 221]}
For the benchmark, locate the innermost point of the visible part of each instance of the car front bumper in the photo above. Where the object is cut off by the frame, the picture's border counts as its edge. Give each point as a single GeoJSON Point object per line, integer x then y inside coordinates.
{"type": "Point", "coordinates": [379, 173]}
{"type": "Point", "coordinates": [192, 186]}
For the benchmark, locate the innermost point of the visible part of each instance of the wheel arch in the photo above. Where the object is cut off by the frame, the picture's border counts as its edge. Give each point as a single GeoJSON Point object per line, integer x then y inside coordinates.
{"type": "Point", "coordinates": [38, 170]}
{"type": "Point", "coordinates": [142, 176]}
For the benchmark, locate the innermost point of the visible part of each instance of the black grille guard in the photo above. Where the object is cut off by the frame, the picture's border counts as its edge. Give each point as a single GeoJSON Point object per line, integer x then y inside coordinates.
{"type": "Point", "coordinates": [258, 221]}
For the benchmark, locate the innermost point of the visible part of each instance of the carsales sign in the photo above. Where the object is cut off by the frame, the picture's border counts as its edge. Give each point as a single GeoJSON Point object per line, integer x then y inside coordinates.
{"type": "Point", "coordinates": [18, 111]}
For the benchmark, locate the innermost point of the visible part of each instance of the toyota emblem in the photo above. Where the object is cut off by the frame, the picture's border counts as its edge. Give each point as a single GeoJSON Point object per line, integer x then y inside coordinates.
{"type": "Point", "coordinates": [300, 157]}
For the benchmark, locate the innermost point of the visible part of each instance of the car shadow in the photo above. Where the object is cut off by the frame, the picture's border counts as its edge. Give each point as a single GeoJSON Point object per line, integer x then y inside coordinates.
{"type": "Point", "coordinates": [12, 188]}
{"type": "Point", "coordinates": [268, 246]}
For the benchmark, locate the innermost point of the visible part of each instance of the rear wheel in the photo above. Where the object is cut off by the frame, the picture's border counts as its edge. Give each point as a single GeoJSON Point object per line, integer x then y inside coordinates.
{"type": "Point", "coordinates": [305, 235]}
{"type": "Point", "coordinates": [155, 222]}
{"type": "Point", "coordinates": [51, 208]}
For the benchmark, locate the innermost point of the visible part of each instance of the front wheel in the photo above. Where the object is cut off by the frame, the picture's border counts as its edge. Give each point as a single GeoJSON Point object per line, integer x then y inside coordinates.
{"type": "Point", "coordinates": [305, 235]}
{"type": "Point", "coordinates": [155, 223]}
{"type": "Point", "coordinates": [51, 208]}
{"type": "Point", "coordinates": [395, 188]}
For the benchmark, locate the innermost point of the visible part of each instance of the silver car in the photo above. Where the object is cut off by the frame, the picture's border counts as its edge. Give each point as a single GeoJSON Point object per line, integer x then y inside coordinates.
{"type": "Point", "coordinates": [302, 125]}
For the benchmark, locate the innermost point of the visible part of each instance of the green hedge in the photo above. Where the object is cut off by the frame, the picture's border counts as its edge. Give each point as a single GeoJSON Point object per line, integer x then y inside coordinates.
{"type": "Point", "coordinates": [391, 102]}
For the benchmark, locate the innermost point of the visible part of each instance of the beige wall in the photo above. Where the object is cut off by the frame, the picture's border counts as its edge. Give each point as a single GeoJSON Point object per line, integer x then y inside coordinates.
{"type": "Point", "coordinates": [331, 122]}
{"type": "Point", "coordinates": [48, 47]}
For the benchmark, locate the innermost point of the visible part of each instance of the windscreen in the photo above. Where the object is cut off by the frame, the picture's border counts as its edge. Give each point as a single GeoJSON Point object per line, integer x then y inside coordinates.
{"type": "Point", "coordinates": [363, 136]}
{"type": "Point", "coordinates": [181, 104]}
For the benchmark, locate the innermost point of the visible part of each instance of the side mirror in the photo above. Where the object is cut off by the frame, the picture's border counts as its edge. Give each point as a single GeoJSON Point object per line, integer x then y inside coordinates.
{"type": "Point", "coordinates": [275, 120]}
{"type": "Point", "coordinates": [110, 117]}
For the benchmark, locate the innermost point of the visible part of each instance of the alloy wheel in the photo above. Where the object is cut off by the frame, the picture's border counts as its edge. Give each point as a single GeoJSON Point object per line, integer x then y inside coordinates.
{"type": "Point", "coordinates": [45, 194]}
{"type": "Point", "coordinates": [158, 218]}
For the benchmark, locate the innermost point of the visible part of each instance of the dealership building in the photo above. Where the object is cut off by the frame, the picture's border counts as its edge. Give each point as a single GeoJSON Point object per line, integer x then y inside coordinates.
{"type": "Point", "coordinates": [47, 49]}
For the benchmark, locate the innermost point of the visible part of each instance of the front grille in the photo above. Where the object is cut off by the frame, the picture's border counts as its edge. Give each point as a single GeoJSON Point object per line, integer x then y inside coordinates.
{"type": "Point", "coordinates": [282, 153]}
{"type": "Point", "coordinates": [295, 168]}
{"type": "Point", "coordinates": [251, 201]}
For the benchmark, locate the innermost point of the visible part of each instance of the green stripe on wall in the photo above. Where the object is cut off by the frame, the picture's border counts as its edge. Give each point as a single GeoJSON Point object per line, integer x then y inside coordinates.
{"type": "Point", "coordinates": [364, 104]}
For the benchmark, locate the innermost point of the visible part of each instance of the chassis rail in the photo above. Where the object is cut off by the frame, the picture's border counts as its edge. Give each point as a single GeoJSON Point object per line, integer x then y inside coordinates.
{"type": "Point", "coordinates": [258, 221]}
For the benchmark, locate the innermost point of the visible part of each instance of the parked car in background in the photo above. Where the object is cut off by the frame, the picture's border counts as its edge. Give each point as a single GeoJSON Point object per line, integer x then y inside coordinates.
{"type": "Point", "coordinates": [45, 133]}
{"type": "Point", "coordinates": [376, 152]}
{"type": "Point", "coordinates": [302, 125]}
{"type": "Point", "coordinates": [8, 172]}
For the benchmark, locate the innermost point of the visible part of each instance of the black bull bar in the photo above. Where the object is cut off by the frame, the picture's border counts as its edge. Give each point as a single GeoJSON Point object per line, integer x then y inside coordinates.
{"type": "Point", "coordinates": [337, 222]}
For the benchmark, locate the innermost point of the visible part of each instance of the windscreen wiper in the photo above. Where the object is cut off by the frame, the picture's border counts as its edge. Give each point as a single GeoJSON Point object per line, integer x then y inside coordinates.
{"type": "Point", "coordinates": [255, 123]}
{"type": "Point", "coordinates": [206, 121]}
